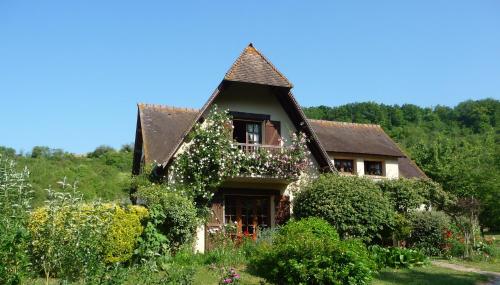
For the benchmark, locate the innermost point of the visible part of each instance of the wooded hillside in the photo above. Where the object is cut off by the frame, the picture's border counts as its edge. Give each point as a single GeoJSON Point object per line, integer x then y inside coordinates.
{"type": "Point", "coordinates": [458, 147]}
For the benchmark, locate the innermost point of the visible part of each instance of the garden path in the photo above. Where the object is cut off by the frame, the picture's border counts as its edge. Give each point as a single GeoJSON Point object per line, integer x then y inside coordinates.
{"type": "Point", "coordinates": [494, 281]}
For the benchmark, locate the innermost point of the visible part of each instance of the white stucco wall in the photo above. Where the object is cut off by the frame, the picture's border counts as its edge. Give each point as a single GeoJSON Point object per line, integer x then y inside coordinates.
{"type": "Point", "coordinates": [390, 165]}
{"type": "Point", "coordinates": [391, 169]}
{"type": "Point", "coordinates": [257, 100]}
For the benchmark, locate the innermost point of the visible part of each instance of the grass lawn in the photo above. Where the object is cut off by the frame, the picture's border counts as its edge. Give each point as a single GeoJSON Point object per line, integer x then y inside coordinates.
{"type": "Point", "coordinates": [429, 275]}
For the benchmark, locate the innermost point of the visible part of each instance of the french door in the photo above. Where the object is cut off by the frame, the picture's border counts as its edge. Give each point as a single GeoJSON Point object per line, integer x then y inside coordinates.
{"type": "Point", "coordinates": [247, 213]}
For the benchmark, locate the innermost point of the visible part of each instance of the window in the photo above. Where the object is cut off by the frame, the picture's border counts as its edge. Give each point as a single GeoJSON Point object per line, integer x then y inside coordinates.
{"type": "Point", "coordinates": [247, 132]}
{"type": "Point", "coordinates": [344, 165]}
{"type": "Point", "coordinates": [253, 133]}
{"type": "Point", "coordinates": [249, 213]}
{"type": "Point", "coordinates": [373, 168]}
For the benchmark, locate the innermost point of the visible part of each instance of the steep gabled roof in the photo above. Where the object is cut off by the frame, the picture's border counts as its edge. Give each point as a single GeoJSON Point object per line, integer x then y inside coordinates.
{"type": "Point", "coordinates": [355, 138]}
{"type": "Point", "coordinates": [162, 127]}
{"type": "Point", "coordinates": [253, 67]}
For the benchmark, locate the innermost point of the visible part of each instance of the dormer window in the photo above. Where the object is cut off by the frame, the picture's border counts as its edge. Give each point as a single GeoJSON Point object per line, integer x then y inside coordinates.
{"type": "Point", "coordinates": [374, 168]}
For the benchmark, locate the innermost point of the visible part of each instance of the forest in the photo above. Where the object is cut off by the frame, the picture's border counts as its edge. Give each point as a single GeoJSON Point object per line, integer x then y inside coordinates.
{"type": "Point", "coordinates": [459, 147]}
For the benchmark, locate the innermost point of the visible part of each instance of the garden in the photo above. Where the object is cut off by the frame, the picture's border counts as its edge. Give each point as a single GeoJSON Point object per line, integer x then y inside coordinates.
{"type": "Point", "coordinates": [344, 230]}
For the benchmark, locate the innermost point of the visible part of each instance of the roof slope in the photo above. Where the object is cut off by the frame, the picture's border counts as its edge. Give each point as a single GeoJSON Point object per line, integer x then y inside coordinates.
{"type": "Point", "coordinates": [253, 67]}
{"type": "Point", "coordinates": [162, 128]}
{"type": "Point", "coordinates": [363, 139]}
{"type": "Point", "coordinates": [355, 138]}
{"type": "Point", "coordinates": [408, 169]}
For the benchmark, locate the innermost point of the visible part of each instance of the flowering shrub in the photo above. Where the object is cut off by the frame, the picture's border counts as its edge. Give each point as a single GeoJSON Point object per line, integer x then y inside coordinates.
{"type": "Point", "coordinates": [288, 163]}
{"type": "Point", "coordinates": [212, 155]}
{"type": "Point", "coordinates": [230, 277]}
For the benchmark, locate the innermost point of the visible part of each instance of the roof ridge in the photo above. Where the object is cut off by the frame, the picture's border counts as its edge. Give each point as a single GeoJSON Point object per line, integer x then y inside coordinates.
{"type": "Point", "coordinates": [271, 64]}
{"type": "Point", "coordinates": [167, 107]}
{"type": "Point", "coordinates": [238, 60]}
{"type": "Point", "coordinates": [344, 123]}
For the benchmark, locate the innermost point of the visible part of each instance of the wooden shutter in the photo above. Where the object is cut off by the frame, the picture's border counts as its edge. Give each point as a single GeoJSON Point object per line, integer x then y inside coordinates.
{"type": "Point", "coordinates": [216, 219]}
{"type": "Point", "coordinates": [282, 210]}
{"type": "Point", "coordinates": [272, 133]}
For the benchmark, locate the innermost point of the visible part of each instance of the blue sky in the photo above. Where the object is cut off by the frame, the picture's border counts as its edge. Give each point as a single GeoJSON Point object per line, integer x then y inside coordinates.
{"type": "Point", "coordinates": [71, 72]}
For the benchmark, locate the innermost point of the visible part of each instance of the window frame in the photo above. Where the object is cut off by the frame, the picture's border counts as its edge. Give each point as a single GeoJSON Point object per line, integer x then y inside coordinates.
{"type": "Point", "coordinates": [382, 167]}
{"type": "Point", "coordinates": [353, 165]}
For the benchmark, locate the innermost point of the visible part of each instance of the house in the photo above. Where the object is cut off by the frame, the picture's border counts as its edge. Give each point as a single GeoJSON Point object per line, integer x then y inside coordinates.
{"type": "Point", "coordinates": [265, 115]}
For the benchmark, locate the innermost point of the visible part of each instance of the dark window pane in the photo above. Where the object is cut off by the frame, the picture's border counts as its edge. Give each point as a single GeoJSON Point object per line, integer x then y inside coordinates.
{"type": "Point", "coordinates": [373, 168]}
{"type": "Point", "coordinates": [344, 165]}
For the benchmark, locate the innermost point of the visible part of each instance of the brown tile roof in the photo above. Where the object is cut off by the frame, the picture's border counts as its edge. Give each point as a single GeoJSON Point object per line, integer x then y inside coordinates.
{"type": "Point", "coordinates": [162, 128]}
{"type": "Point", "coordinates": [355, 138]}
{"type": "Point", "coordinates": [408, 169]}
{"type": "Point", "coordinates": [253, 67]}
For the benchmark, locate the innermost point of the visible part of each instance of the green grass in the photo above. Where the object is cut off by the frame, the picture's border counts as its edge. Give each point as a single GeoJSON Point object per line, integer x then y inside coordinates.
{"type": "Point", "coordinates": [106, 177]}
{"type": "Point", "coordinates": [208, 277]}
{"type": "Point", "coordinates": [430, 275]}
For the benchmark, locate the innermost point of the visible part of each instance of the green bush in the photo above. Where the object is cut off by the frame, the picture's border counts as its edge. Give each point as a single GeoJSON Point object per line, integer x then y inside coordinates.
{"type": "Point", "coordinates": [428, 231]}
{"type": "Point", "coordinates": [175, 215]}
{"type": "Point", "coordinates": [310, 251]}
{"type": "Point", "coordinates": [409, 194]}
{"type": "Point", "coordinates": [354, 206]}
{"type": "Point", "coordinates": [397, 257]}
{"type": "Point", "coordinates": [15, 200]}
{"type": "Point", "coordinates": [72, 239]}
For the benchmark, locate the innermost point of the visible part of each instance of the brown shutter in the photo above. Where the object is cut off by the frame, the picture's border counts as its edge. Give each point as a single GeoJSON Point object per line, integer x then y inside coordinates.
{"type": "Point", "coordinates": [216, 219]}
{"type": "Point", "coordinates": [282, 210]}
{"type": "Point", "coordinates": [273, 133]}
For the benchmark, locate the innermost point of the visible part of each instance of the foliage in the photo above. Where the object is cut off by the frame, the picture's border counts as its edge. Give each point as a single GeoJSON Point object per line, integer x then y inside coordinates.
{"type": "Point", "coordinates": [428, 231]}
{"type": "Point", "coordinates": [206, 160]}
{"type": "Point", "coordinates": [212, 156]}
{"type": "Point", "coordinates": [106, 177]}
{"type": "Point", "coordinates": [354, 206]}
{"type": "Point", "coordinates": [230, 277]}
{"type": "Point", "coordinates": [288, 163]}
{"type": "Point", "coordinates": [123, 232]}
{"type": "Point", "coordinates": [310, 251]}
{"type": "Point", "coordinates": [397, 257]}
{"type": "Point", "coordinates": [100, 151]}
{"type": "Point", "coordinates": [408, 194]}
{"type": "Point", "coordinates": [456, 147]}
{"type": "Point", "coordinates": [173, 214]}
{"type": "Point", "coordinates": [15, 198]}
{"type": "Point", "coordinates": [72, 239]}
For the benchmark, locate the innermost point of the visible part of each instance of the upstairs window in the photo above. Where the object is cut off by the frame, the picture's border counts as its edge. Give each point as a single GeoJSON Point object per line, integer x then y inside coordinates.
{"type": "Point", "coordinates": [374, 168]}
{"type": "Point", "coordinates": [344, 165]}
{"type": "Point", "coordinates": [247, 132]}
{"type": "Point", "coordinates": [254, 133]}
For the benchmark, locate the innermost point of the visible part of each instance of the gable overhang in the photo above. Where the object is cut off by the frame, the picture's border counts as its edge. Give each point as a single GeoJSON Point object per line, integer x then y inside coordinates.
{"type": "Point", "coordinates": [252, 67]}
{"type": "Point", "coordinates": [291, 107]}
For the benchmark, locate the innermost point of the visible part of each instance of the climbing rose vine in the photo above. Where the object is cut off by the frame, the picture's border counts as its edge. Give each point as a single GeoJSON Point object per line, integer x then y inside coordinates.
{"type": "Point", "coordinates": [211, 155]}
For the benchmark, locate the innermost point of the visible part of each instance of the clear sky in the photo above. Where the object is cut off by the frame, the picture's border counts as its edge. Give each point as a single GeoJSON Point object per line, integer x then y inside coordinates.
{"type": "Point", "coordinates": [71, 72]}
